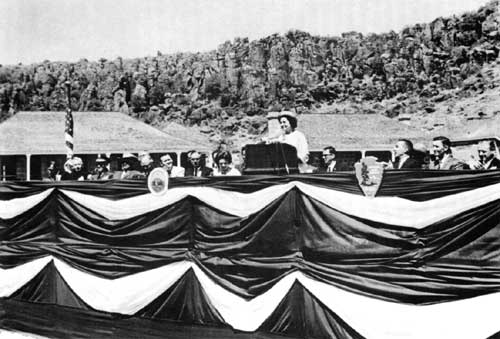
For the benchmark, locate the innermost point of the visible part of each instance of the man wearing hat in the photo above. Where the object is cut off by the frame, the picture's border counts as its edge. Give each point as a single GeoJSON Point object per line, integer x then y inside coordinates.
{"type": "Point", "coordinates": [101, 171]}
{"type": "Point", "coordinates": [290, 135]}
{"type": "Point", "coordinates": [128, 171]}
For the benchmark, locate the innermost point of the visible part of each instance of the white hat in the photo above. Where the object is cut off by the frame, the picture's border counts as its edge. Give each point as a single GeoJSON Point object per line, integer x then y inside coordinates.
{"type": "Point", "coordinates": [290, 114]}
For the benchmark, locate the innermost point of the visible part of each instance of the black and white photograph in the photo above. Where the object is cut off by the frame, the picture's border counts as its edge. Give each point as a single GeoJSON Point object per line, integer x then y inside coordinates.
{"type": "Point", "coordinates": [249, 169]}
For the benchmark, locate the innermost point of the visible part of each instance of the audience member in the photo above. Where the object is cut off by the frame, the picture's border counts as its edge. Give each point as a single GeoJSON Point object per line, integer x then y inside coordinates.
{"type": "Point", "coordinates": [240, 166]}
{"type": "Point", "coordinates": [188, 158]}
{"type": "Point", "coordinates": [214, 156]}
{"type": "Point", "coordinates": [329, 163]}
{"type": "Point", "coordinates": [224, 160]}
{"type": "Point", "coordinates": [146, 163]}
{"type": "Point", "coordinates": [53, 173]}
{"type": "Point", "coordinates": [487, 159]}
{"type": "Point", "coordinates": [198, 169]}
{"type": "Point", "coordinates": [128, 171]}
{"type": "Point", "coordinates": [101, 170]}
{"type": "Point", "coordinates": [168, 165]}
{"type": "Point", "coordinates": [73, 170]}
{"type": "Point", "coordinates": [443, 157]}
{"type": "Point", "coordinates": [421, 155]}
{"type": "Point", "coordinates": [403, 155]}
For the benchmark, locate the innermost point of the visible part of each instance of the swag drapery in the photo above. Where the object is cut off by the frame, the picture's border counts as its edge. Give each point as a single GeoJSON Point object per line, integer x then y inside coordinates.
{"type": "Point", "coordinates": [254, 257]}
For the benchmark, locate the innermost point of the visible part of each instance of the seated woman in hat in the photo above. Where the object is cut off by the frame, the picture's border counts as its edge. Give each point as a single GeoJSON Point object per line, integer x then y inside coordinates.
{"type": "Point", "coordinates": [128, 163]}
{"type": "Point", "coordinates": [290, 135]}
{"type": "Point", "coordinates": [224, 160]}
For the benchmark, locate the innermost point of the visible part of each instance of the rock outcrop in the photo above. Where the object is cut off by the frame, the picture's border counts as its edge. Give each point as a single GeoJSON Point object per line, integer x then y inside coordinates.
{"type": "Point", "coordinates": [227, 91]}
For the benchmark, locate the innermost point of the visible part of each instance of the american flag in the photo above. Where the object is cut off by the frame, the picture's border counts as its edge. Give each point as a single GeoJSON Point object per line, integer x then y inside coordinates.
{"type": "Point", "coordinates": [68, 133]}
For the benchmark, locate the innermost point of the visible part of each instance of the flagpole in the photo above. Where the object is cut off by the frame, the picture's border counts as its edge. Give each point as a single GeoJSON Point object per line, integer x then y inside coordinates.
{"type": "Point", "coordinates": [68, 133]}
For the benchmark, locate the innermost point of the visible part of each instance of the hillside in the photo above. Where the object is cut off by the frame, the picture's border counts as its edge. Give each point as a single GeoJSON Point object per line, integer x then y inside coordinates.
{"type": "Point", "coordinates": [441, 77]}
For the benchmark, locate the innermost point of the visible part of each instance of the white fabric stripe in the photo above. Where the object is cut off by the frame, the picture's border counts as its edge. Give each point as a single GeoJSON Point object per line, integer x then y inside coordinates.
{"type": "Point", "coordinates": [12, 208]}
{"type": "Point", "coordinates": [11, 279]}
{"type": "Point", "coordinates": [388, 210]}
{"type": "Point", "coordinates": [242, 314]}
{"type": "Point", "coordinates": [125, 295]}
{"type": "Point", "coordinates": [238, 204]}
{"type": "Point", "coordinates": [403, 212]}
{"type": "Point", "coordinates": [5, 334]}
{"type": "Point", "coordinates": [474, 318]}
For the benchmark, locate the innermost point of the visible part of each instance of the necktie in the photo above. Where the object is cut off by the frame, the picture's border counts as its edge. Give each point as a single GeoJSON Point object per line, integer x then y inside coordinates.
{"type": "Point", "coordinates": [196, 172]}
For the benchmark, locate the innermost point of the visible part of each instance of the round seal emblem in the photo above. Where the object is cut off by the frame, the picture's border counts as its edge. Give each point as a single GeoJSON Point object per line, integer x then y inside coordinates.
{"type": "Point", "coordinates": [158, 181]}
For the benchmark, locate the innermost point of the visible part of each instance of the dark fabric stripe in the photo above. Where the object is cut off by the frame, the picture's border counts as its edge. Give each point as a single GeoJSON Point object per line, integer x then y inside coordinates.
{"type": "Point", "coordinates": [302, 314]}
{"type": "Point", "coordinates": [414, 185]}
{"type": "Point", "coordinates": [58, 322]}
{"type": "Point", "coordinates": [184, 302]}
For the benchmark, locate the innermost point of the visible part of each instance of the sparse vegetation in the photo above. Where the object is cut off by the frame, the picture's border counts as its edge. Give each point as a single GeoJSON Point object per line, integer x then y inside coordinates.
{"type": "Point", "coordinates": [393, 74]}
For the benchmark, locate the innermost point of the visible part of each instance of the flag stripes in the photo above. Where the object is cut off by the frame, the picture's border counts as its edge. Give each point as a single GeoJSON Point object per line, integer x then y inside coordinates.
{"type": "Point", "coordinates": [68, 133]}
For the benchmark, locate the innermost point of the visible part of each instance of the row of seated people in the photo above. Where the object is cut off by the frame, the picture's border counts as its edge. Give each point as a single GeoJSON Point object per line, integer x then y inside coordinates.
{"type": "Point", "coordinates": [406, 156]}
{"type": "Point", "coordinates": [132, 167]}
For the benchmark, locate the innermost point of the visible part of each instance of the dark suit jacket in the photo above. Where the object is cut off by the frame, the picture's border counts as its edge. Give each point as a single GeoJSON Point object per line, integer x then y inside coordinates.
{"type": "Point", "coordinates": [410, 163]}
{"type": "Point", "coordinates": [205, 171]}
{"type": "Point", "coordinates": [494, 164]}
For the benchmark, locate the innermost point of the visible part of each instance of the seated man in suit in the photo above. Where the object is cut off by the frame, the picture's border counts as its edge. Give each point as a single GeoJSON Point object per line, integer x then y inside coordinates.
{"type": "Point", "coordinates": [403, 151]}
{"type": "Point", "coordinates": [444, 159]}
{"type": "Point", "coordinates": [198, 169]}
{"type": "Point", "coordinates": [329, 163]}
{"type": "Point", "coordinates": [168, 165]}
{"type": "Point", "coordinates": [487, 159]}
{"type": "Point", "coordinates": [146, 163]}
{"type": "Point", "coordinates": [101, 171]}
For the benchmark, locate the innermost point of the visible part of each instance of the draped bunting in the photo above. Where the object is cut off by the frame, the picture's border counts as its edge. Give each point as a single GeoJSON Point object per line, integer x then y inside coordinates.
{"type": "Point", "coordinates": [413, 185]}
{"type": "Point", "coordinates": [11, 208]}
{"type": "Point", "coordinates": [392, 211]}
{"type": "Point", "coordinates": [303, 256]}
{"type": "Point", "coordinates": [130, 295]}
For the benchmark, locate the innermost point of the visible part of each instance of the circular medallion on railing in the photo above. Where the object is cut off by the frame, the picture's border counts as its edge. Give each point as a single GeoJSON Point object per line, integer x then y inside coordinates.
{"type": "Point", "coordinates": [158, 181]}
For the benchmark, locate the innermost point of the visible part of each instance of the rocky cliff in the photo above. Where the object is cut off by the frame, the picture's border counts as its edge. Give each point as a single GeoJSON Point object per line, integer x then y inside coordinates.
{"type": "Point", "coordinates": [227, 92]}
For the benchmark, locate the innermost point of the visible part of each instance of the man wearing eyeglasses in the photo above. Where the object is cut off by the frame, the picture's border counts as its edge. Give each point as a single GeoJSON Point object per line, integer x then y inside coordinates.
{"type": "Point", "coordinates": [329, 161]}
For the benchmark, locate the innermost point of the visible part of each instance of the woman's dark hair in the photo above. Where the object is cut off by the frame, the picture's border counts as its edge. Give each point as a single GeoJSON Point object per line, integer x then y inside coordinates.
{"type": "Point", "coordinates": [292, 120]}
{"type": "Point", "coordinates": [224, 155]}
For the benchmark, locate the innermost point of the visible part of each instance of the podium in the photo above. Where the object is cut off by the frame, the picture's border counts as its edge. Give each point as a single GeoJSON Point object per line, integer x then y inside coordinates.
{"type": "Point", "coordinates": [270, 159]}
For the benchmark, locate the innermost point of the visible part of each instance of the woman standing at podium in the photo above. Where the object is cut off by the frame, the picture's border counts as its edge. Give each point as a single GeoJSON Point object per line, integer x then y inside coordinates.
{"type": "Point", "coordinates": [290, 135]}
